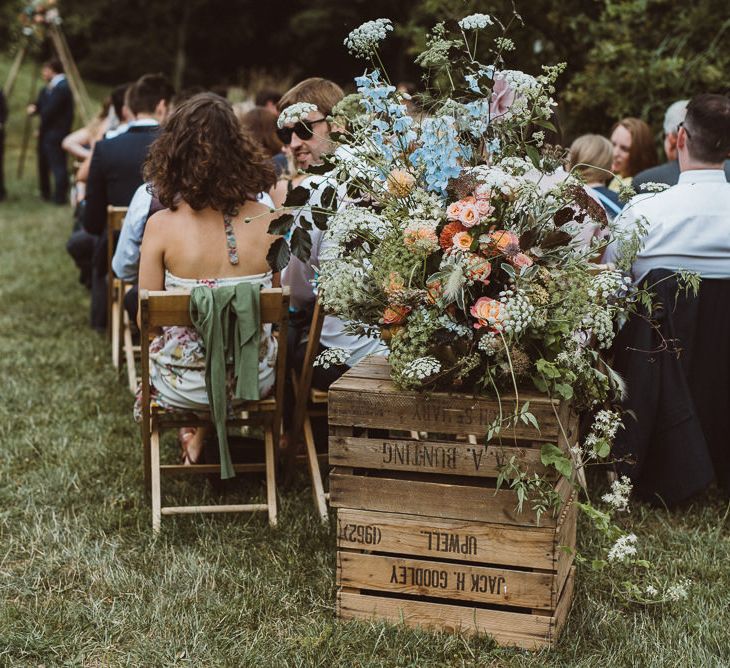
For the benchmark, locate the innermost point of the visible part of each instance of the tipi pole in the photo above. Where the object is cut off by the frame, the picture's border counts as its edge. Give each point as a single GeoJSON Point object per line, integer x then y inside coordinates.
{"type": "Point", "coordinates": [72, 74]}
{"type": "Point", "coordinates": [14, 69]}
{"type": "Point", "coordinates": [28, 123]}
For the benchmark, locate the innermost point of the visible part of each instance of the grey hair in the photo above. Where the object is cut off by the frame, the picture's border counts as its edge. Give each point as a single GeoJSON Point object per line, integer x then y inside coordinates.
{"type": "Point", "coordinates": [674, 116]}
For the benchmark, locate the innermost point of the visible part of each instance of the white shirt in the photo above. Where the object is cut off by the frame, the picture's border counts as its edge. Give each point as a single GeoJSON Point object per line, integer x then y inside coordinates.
{"type": "Point", "coordinates": [57, 79]}
{"type": "Point", "coordinates": [301, 278]}
{"type": "Point", "coordinates": [687, 227]}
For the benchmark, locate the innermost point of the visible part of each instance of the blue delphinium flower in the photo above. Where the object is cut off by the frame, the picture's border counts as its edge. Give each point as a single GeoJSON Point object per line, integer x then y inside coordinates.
{"type": "Point", "coordinates": [440, 154]}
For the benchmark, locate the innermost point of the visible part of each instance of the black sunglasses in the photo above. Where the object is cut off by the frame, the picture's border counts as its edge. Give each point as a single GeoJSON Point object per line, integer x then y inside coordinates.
{"type": "Point", "coordinates": [303, 130]}
{"type": "Point", "coordinates": [682, 125]}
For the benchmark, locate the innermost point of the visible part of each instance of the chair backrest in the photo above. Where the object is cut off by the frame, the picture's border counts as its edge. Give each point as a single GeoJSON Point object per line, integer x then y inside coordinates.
{"type": "Point", "coordinates": [170, 308]}
{"type": "Point", "coordinates": [114, 220]}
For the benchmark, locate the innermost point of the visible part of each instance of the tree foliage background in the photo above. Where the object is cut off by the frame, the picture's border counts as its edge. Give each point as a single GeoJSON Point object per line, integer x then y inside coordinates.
{"type": "Point", "coordinates": [625, 57]}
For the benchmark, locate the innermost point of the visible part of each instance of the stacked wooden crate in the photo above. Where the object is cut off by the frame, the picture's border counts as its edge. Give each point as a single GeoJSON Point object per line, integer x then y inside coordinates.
{"type": "Point", "coordinates": [424, 536]}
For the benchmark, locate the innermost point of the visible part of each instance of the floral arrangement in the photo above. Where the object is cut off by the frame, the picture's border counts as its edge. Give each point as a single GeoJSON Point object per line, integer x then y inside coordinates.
{"type": "Point", "coordinates": [36, 15]}
{"type": "Point", "coordinates": [455, 235]}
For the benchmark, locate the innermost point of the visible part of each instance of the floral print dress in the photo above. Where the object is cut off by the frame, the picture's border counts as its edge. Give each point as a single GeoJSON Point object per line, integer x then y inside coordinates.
{"type": "Point", "coordinates": [177, 356]}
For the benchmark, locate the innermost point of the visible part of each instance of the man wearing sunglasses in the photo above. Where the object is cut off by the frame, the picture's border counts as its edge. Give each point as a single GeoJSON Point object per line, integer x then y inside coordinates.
{"type": "Point", "coordinates": [309, 139]}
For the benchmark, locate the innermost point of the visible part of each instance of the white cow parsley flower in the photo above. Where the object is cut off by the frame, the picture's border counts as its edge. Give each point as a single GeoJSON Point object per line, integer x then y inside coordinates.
{"type": "Point", "coordinates": [422, 368]}
{"type": "Point", "coordinates": [653, 187]}
{"type": "Point", "coordinates": [363, 41]}
{"type": "Point", "coordinates": [332, 357]}
{"type": "Point", "coordinates": [619, 495]}
{"type": "Point", "coordinates": [679, 590]}
{"type": "Point", "coordinates": [295, 113]}
{"type": "Point", "coordinates": [476, 22]}
{"type": "Point", "coordinates": [625, 546]}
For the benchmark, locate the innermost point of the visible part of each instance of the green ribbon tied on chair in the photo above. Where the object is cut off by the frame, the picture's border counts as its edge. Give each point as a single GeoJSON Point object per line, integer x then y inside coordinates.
{"type": "Point", "coordinates": [228, 320]}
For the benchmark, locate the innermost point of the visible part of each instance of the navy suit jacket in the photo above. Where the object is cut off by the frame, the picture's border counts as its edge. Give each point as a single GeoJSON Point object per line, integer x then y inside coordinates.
{"type": "Point", "coordinates": [56, 109]}
{"type": "Point", "coordinates": [115, 173]}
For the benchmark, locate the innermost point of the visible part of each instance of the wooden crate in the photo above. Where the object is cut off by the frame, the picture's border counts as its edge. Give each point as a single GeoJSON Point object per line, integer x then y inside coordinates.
{"type": "Point", "coordinates": [424, 536]}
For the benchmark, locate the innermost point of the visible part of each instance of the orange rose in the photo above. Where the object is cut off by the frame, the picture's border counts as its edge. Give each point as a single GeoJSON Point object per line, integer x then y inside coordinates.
{"type": "Point", "coordinates": [502, 242]}
{"type": "Point", "coordinates": [446, 238]}
{"type": "Point", "coordinates": [478, 268]}
{"type": "Point", "coordinates": [395, 315]}
{"type": "Point", "coordinates": [521, 260]}
{"type": "Point", "coordinates": [487, 311]}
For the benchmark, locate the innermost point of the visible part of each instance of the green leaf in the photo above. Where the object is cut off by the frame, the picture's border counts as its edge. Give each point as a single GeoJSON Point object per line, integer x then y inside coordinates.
{"type": "Point", "coordinates": [552, 455]}
{"type": "Point", "coordinates": [598, 564]}
{"type": "Point", "coordinates": [278, 255]}
{"type": "Point", "coordinates": [532, 420]}
{"type": "Point", "coordinates": [534, 155]}
{"type": "Point", "coordinates": [564, 390]}
{"type": "Point", "coordinates": [329, 198]}
{"type": "Point", "coordinates": [299, 196]}
{"type": "Point", "coordinates": [281, 225]}
{"type": "Point", "coordinates": [602, 449]}
{"type": "Point", "coordinates": [301, 244]}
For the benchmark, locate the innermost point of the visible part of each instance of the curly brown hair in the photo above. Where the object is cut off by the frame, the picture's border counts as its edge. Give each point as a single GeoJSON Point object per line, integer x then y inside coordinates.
{"type": "Point", "coordinates": [205, 158]}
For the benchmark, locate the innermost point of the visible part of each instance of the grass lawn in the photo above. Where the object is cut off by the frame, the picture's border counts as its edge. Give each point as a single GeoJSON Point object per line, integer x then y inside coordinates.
{"type": "Point", "coordinates": [83, 582]}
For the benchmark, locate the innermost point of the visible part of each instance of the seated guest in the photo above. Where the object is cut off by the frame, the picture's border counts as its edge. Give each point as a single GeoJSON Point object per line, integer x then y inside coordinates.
{"type": "Point", "coordinates": [668, 172]}
{"type": "Point", "coordinates": [678, 442]}
{"type": "Point", "coordinates": [268, 99]}
{"type": "Point", "coordinates": [310, 142]}
{"type": "Point", "coordinates": [261, 123]}
{"type": "Point", "coordinates": [114, 175]}
{"type": "Point", "coordinates": [208, 181]}
{"type": "Point", "coordinates": [590, 157]}
{"type": "Point", "coordinates": [633, 150]}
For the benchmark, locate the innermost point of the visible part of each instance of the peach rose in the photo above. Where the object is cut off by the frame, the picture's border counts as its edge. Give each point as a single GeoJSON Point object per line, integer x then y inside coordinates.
{"type": "Point", "coordinates": [487, 311]}
{"type": "Point", "coordinates": [478, 268]}
{"type": "Point", "coordinates": [435, 290]}
{"type": "Point", "coordinates": [395, 315]}
{"type": "Point", "coordinates": [469, 215]}
{"type": "Point", "coordinates": [501, 242]}
{"type": "Point", "coordinates": [453, 211]}
{"type": "Point", "coordinates": [462, 240]}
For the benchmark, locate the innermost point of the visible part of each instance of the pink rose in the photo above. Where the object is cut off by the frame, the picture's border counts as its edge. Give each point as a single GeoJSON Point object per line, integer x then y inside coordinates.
{"type": "Point", "coordinates": [469, 215]}
{"type": "Point", "coordinates": [503, 98]}
{"type": "Point", "coordinates": [521, 260]}
{"type": "Point", "coordinates": [487, 311]}
{"type": "Point", "coordinates": [484, 208]}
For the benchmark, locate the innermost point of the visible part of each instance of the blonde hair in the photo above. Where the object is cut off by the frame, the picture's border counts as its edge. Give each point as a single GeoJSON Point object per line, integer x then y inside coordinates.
{"type": "Point", "coordinates": [593, 150]}
{"type": "Point", "coordinates": [322, 92]}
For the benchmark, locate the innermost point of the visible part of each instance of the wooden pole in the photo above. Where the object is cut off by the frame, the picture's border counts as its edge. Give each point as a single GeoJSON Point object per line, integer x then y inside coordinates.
{"type": "Point", "coordinates": [77, 75]}
{"type": "Point", "coordinates": [28, 122]}
{"type": "Point", "coordinates": [14, 69]}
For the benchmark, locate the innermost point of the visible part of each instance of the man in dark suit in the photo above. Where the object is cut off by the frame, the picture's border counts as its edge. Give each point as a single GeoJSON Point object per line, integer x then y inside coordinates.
{"type": "Point", "coordinates": [668, 172]}
{"type": "Point", "coordinates": [116, 173]}
{"type": "Point", "coordinates": [55, 106]}
{"type": "Point", "coordinates": [3, 121]}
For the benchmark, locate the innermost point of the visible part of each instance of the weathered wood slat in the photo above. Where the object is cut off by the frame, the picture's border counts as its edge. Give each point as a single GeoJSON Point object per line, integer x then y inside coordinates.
{"type": "Point", "coordinates": [393, 533]}
{"type": "Point", "coordinates": [368, 402]}
{"type": "Point", "coordinates": [524, 630]}
{"type": "Point", "coordinates": [447, 457]}
{"type": "Point", "coordinates": [463, 582]}
{"type": "Point", "coordinates": [436, 499]}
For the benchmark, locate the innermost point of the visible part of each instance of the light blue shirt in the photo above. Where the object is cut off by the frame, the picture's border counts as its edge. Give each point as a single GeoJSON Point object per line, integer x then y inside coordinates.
{"type": "Point", "coordinates": [125, 262]}
{"type": "Point", "coordinates": [687, 227]}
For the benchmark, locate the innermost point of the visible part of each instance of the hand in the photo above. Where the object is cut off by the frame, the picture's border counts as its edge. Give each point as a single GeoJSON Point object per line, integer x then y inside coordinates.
{"type": "Point", "coordinates": [32, 109]}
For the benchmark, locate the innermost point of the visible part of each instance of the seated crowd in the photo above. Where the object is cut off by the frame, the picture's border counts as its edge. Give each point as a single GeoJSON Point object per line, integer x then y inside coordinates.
{"type": "Point", "coordinates": [201, 178]}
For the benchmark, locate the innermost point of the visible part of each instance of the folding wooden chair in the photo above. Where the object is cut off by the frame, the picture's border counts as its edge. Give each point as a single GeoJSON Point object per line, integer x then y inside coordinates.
{"type": "Point", "coordinates": [310, 403]}
{"type": "Point", "coordinates": [166, 309]}
{"type": "Point", "coordinates": [114, 289]}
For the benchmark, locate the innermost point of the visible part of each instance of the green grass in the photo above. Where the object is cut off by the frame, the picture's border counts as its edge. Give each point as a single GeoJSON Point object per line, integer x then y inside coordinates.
{"type": "Point", "coordinates": [83, 582]}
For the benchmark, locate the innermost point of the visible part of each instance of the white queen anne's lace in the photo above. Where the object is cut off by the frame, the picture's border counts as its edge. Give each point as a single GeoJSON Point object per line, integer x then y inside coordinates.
{"type": "Point", "coordinates": [476, 22]}
{"type": "Point", "coordinates": [422, 368]}
{"type": "Point", "coordinates": [295, 113]}
{"type": "Point", "coordinates": [624, 547]}
{"type": "Point", "coordinates": [363, 41]}
{"type": "Point", "coordinates": [653, 187]}
{"type": "Point", "coordinates": [619, 495]}
{"type": "Point", "coordinates": [332, 357]}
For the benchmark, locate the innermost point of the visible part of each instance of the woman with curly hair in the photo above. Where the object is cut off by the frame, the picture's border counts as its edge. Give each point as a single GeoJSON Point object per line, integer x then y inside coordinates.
{"type": "Point", "coordinates": [208, 172]}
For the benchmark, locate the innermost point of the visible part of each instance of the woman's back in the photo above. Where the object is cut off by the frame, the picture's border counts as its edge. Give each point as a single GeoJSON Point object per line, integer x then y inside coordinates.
{"type": "Point", "coordinates": [207, 245]}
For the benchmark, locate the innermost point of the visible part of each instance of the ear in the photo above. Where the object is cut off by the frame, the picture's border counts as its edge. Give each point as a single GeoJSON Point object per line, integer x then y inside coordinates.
{"type": "Point", "coordinates": [681, 138]}
{"type": "Point", "coordinates": [161, 110]}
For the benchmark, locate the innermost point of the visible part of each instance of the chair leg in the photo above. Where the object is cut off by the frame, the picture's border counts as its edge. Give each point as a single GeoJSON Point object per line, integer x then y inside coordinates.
{"type": "Point", "coordinates": [155, 475]}
{"type": "Point", "coordinates": [314, 472]}
{"type": "Point", "coordinates": [146, 459]}
{"type": "Point", "coordinates": [270, 475]}
{"type": "Point", "coordinates": [115, 326]}
{"type": "Point", "coordinates": [129, 355]}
